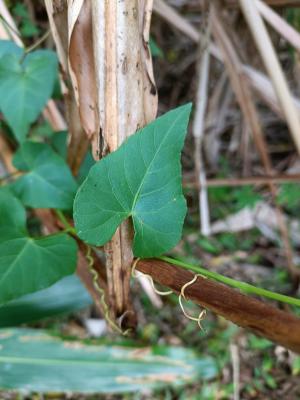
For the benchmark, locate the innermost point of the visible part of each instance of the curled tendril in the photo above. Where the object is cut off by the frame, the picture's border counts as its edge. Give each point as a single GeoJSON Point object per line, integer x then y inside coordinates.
{"type": "Point", "coordinates": [134, 275]}
{"type": "Point", "coordinates": [101, 292]}
{"type": "Point", "coordinates": [202, 314]}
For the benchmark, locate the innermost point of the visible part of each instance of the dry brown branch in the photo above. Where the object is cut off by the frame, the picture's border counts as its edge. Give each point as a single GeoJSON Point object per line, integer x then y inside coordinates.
{"type": "Point", "coordinates": [253, 180]}
{"type": "Point", "coordinates": [245, 311]}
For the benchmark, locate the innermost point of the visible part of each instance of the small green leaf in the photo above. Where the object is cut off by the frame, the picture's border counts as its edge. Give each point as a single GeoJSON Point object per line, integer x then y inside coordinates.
{"type": "Point", "coordinates": [156, 51]}
{"type": "Point", "coordinates": [65, 296]}
{"type": "Point", "coordinates": [48, 182]}
{"type": "Point", "coordinates": [245, 197]}
{"type": "Point", "coordinates": [29, 29]}
{"type": "Point", "coordinates": [27, 264]}
{"type": "Point", "coordinates": [20, 10]}
{"type": "Point", "coordinates": [142, 180]}
{"type": "Point", "coordinates": [25, 87]}
{"type": "Point", "coordinates": [289, 195]}
{"type": "Point", "coordinates": [34, 361]}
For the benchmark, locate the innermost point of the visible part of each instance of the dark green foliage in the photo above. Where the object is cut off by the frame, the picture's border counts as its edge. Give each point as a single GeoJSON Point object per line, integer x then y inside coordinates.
{"type": "Point", "coordinates": [26, 83]}
{"type": "Point", "coordinates": [48, 182]}
{"type": "Point", "coordinates": [29, 264]}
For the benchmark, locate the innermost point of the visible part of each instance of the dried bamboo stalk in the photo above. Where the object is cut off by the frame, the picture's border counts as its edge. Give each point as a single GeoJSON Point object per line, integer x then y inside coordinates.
{"type": "Point", "coordinates": [9, 30]}
{"type": "Point", "coordinates": [199, 125]}
{"type": "Point", "coordinates": [127, 100]}
{"type": "Point", "coordinates": [279, 24]}
{"type": "Point", "coordinates": [267, 52]}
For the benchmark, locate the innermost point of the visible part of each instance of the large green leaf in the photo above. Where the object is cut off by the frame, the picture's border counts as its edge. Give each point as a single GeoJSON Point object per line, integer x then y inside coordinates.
{"type": "Point", "coordinates": [29, 264]}
{"type": "Point", "coordinates": [26, 83]}
{"type": "Point", "coordinates": [142, 180]}
{"type": "Point", "coordinates": [48, 182]}
{"type": "Point", "coordinates": [65, 296]}
{"type": "Point", "coordinates": [33, 361]}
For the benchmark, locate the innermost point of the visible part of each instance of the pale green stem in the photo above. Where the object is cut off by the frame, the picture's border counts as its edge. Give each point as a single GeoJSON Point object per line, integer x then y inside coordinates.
{"type": "Point", "coordinates": [244, 287]}
{"type": "Point", "coordinates": [65, 222]}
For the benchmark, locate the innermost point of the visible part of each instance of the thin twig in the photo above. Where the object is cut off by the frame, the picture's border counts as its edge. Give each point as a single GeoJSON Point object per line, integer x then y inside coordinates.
{"type": "Point", "coordinates": [253, 180]}
{"type": "Point", "coordinates": [38, 42]}
{"type": "Point", "coordinates": [234, 351]}
{"type": "Point", "coordinates": [199, 126]}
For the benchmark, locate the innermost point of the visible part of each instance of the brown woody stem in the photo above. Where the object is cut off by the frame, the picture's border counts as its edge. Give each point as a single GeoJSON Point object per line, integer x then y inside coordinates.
{"type": "Point", "coordinates": [245, 311]}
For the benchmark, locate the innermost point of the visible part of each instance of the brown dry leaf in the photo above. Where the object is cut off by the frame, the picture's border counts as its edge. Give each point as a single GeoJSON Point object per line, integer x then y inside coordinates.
{"type": "Point", "coordinates": [81, 63]}
{"type": "Point", "coordinates": [56, 11]}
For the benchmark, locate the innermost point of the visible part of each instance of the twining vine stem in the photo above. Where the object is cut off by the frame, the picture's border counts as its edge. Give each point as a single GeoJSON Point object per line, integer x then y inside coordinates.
{"type": "Point", "coordinates": [243, 286]}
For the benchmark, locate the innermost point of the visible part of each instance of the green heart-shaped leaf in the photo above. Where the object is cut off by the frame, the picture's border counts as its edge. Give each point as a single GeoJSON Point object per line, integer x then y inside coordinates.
{"type": "Point", "coordinates": [28, 264]}
{"type": "Point", "coordinates": [48, 182]}
{"type": "Point", "coordinates": [25, 87]}
{"type": "Point", "coordinates": [142, 180]}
